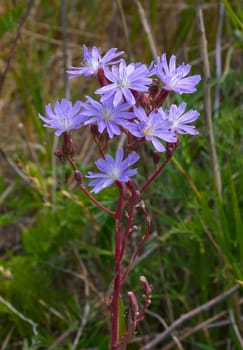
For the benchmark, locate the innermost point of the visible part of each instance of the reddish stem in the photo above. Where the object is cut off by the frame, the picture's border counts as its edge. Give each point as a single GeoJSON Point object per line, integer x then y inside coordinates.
{"type": "Point", "coordinates": [127, 230]}
{"type": "Point", "coordinates": [141, 244]}
{"type": "Point", "coordinates": [97, 203]}
{"type": "Point", "coordinates": [169, 153]}
{"type": "Point", "coordinates": [101, 77]}
{"type": "Point", "coordinates": [117, 283]}
{"type": "Point", "coordinates": [161, 97]}
{"type": "Point", "coordinates": [154, 175]}
{"type": "Point", "coordinates": [86, 192]}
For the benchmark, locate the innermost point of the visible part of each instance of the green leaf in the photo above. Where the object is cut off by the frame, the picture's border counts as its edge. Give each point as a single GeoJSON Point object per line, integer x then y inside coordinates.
{"type": "Point", "coordinates": [237, 21]}
{"type": "Point", "coordinates": [9, 20]}
{"type": "Point", "coordinates": [122, 323]}
{"type": "Point", "coordinates": [236, 214]}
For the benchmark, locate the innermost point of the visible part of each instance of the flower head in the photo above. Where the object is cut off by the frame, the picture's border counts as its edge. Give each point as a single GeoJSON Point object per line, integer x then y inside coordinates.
{"type": "Point", "coordinates": [179, 120]}
{"type": "Point", "coordinates": [174, 78]}
{"type": "Point", "coordinates": [93, 61]}
{"type": "Point", "coordinates": [124, 79]}
{"type": "Point", "coordinates": [112, 170]}
{"type": "Point", "coordinates": [64, 117]}
{"type": "Point", "coordinates": [106, 115]}
{"type": "Point", "coordinates": [152, 127]}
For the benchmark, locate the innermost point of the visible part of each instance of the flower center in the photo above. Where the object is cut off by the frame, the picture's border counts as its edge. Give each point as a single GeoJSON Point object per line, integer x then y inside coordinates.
{"type": "Point", "coordinates": [92, 63]}
{"type": "Point", "coordinates": [64, 123]}
{"type": "Point", "coordinates": [107, 114]}
{"type": "Point", "coordinates": [178, 74]}
{"type": "Point", "coordinates": [148, 131]}
{"type": "Point", "coordinates": [115, 174]}
{"type": "Point", "coordinates": [123, 83]}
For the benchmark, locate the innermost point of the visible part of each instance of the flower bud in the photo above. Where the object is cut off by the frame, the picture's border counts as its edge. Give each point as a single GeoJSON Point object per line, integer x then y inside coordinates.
{"type": "Point", "coordinates": [78, 176]}
{"type": "Point", "coordinates": [154, 88]}
{"type": "Point", "coordinates": [134, 228]}
{"type": "Point", "coordinates": [171, 147]}
{"type": "Point", "coordinates": [58, 153]}
{"type": "Point", "coordinates": [101, 77]}
{"type": "Point", "coordinates": [94, 130]}
{"type": "Point", "coordinates": [146, 286]}
{"type": "Point", "coordinates": [135, 194]}
{"type": "Point", "coordinates": [126, 192]}
{"type": "Point", "coordinates": [67, 146]}
{"type": "Point", "coordinates": [160, 98]}
{"type": "Point", "coordinates": [156, 157]}
{"type": "Point", "coordinates": [133, 303]}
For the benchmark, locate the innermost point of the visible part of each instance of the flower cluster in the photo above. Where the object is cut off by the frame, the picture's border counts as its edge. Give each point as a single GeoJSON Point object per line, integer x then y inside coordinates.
{"type": "Point", "coordinates": [129, 101]}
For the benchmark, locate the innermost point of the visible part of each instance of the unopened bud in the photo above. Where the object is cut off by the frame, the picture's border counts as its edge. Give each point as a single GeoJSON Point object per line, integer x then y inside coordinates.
{"type": "Point", "coordinates": [101, 77]}
{"type": "Point", "coordinates": [67, 146]}
{"type": "Point", "coordinates": [94, 130]}
{"type": "Point", "coordinates": [154, 88]}
{"type": "Point", "coordinates": [156, 157]}
{"type": "Point", "coordinates": [58, 154]}
{"type": "Point", "coordinates": [136, 196]}
{"type": "Point", "coordinates": [160, 98]}
{"type": "Point", "coordinates": [78, 176]}
{"type": "Point", "coordinates": [144, 100]}
{"type": "Point", "coordinates": [131, 185]}
{"type": "Point", "coordinates": [133, 228]}
{"type": "Point", "coordinates": [171, 147]}
{"type": "Point", "coordinates": [127, 193]}
{"type": "Point", "coordinates": [133, 303]}
{"type": "Point", "coordinates": [146, 286]}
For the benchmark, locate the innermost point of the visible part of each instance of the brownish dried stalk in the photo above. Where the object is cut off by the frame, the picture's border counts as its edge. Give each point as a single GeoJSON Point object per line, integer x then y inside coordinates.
{"type": "Point", "coordinates": [147, 29]}
{"type": "Point", "coordinates": [7, 339]}
{"type": "Point", "coordinates": [218, 59]}
{"type": "Point", "coordinates": [236, 329]}
{"type": "Point", "coordinates": [176, 340]}
{"type": "Point", "coordinates": [208, 115]}
{"type": "Point", "coordinates": [125, 28]}
{"type": "Point", "coordinates": [214, 164]}
{"type": "Point", "coordinates": [200, 327]}
{"type": "Point", "coordinates": [188, 316]}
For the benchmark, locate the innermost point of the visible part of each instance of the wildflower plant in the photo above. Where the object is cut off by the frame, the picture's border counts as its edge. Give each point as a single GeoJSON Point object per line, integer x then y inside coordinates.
{"type": "Point", "coordinates": [128, 101]}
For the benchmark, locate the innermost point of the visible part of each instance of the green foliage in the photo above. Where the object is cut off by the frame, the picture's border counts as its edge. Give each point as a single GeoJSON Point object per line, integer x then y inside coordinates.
{"type": "Point", "coordinates": [235, 12]}
{"type": "Point", "coordinates": [10, 19]}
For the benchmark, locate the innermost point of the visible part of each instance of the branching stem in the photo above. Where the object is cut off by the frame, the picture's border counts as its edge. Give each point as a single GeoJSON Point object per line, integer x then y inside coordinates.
{"type": "Point", "coordinates": [86, 192]}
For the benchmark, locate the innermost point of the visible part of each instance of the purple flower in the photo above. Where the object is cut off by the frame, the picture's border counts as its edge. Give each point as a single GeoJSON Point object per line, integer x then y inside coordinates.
{"type": "Point", "coordinates": [174, 78]}
{"type": "Point", "coordinates": [152, 127]}
{"type": "Point", "coordinates": [65, 116]}
{"type": "Point", "coordinates": [93, 61]}
{"type": "Point", "coordinates": [124, 79]}
{"type": "Point", "coordinates": [179, 120]}
{"type": "Point", "coordinates": [106, 115]}
{"type": "Point", "coordinates": [113, 170]}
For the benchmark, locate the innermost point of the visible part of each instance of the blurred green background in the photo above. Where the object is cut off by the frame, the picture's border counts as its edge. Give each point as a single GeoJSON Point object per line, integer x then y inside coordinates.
{"type": "Point", "coordinates": [56, 248]}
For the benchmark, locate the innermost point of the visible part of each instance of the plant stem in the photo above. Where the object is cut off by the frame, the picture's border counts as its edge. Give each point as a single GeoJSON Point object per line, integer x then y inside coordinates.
{"type": "Point", "coordinates": [117, 283]}
{"type": "Point", "coordinates": [158, 171]}
{"type": "Point", "coordinates": [97, 203]}
{"type": "Point", "coordinates": [78, 176]}
{"type": "Point", "coordinates": [127, 230]}
{"type": "Point", "coordinates": [140, 245]}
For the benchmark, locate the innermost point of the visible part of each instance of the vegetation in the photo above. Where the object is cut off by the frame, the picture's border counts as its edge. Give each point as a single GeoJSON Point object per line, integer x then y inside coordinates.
{"type": "Point", "coordinates": [56, 248]}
